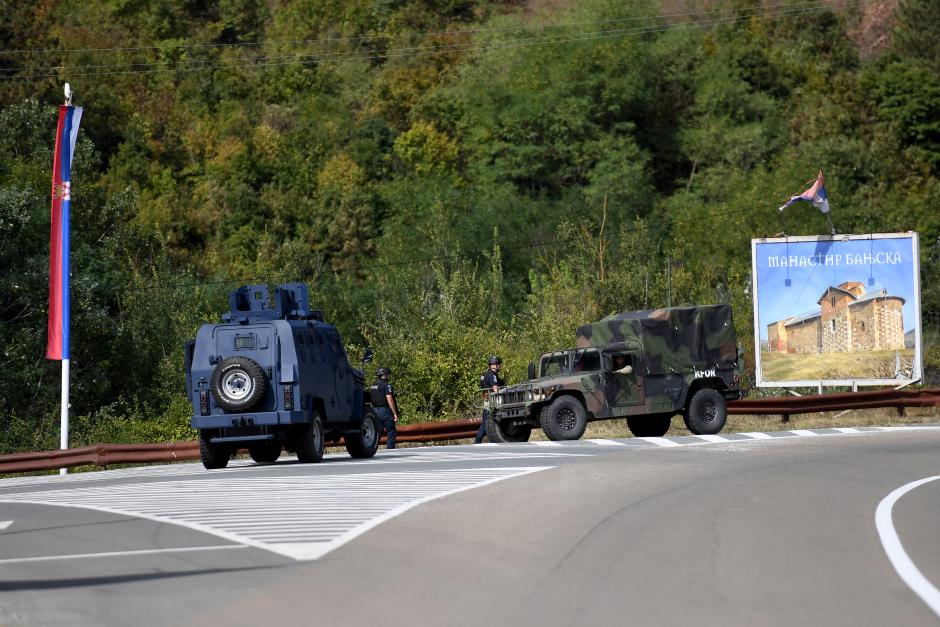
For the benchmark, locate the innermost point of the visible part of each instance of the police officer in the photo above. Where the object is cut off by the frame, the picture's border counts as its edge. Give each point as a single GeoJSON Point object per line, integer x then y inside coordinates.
{"type": "Point", "coordinates": [386, 407]}
{"type": "Point", "coordinates": [489, 382]}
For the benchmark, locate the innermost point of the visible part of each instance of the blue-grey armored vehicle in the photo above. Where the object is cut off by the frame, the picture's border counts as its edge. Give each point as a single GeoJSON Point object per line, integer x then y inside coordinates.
{"type": "Point", "coordinates": [273, 376]}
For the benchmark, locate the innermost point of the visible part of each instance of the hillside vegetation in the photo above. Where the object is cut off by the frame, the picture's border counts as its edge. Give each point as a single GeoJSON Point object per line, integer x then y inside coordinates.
{"type": "Point", "coordinates": [452, 178]}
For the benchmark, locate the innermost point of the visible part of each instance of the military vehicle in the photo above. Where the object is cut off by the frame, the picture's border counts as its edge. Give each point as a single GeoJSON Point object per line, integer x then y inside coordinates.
{"type": "Point", "coordinates": [272, 377]}
{"type": "Point", "coordinates": [645, 366]}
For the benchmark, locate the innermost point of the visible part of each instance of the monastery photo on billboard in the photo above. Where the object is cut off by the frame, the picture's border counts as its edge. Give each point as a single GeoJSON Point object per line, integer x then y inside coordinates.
{"type": "Point", "coordinates": [848, 320]}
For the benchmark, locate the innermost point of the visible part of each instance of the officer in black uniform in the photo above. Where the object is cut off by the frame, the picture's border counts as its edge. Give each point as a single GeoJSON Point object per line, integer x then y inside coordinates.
{"type": "Point", "coordinates": [386, 407]}
{"type": "Point", "coordinates": [489, 382]}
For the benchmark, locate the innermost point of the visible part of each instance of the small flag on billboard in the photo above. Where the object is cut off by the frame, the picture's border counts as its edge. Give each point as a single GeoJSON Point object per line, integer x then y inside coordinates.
{"type": "Point", "coordinates": [57, 344]}
{"type": "Point", "coordinates": [815, 194]}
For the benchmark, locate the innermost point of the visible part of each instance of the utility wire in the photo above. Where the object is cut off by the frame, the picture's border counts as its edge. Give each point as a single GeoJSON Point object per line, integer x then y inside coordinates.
{"type": "Point", "coordinates": [300, 58]}
{"type": "Point", "coordinates": [392, 52]}
{"type": "Point", "coordinates": [415, 51]}
{"type": "Point", "coordinates": [362, 38]}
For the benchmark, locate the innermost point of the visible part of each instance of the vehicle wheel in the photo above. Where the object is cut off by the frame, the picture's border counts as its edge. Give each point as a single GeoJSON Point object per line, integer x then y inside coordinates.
{"type": "Point", "coordinates": [650, 426]}
{"type": "Point", "coordinates": [706, 413]}
{"type": "Point", "coordinates": [497, 433]}
{"type": "Point", "coordinates": [309, 442]}
{"type": "Point", "coordinates": [238, 383]}
{"type": "Point", "coordinates": [213, 455]}
{"type": "Point", "coordinates": [265, 452]}
{"type": "Point", "coordinates": [564, 419]}
{"type": "Point", "coordinates": [365, 442]}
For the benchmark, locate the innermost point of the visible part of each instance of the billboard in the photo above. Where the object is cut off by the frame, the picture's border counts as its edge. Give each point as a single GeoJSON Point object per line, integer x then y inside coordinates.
{"type": "Point", "coordinates": [837, 310]}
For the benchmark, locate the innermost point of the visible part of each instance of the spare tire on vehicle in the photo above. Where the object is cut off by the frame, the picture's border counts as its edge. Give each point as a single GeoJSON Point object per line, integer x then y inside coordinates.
{"type": "Point", "coordinates": [238, 384]}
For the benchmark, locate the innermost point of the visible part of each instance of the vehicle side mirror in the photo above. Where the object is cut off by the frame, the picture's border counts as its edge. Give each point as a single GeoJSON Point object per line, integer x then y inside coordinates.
{"type": "Point", "coordinates": [367, 356]}
{"type": "Point", "coordinates": [531, 372]}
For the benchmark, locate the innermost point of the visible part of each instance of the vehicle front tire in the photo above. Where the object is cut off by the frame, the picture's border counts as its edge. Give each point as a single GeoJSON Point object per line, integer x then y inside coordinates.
{"type": "Point", "coordinates": [238, 384]}
{"type": "Point", "coordinates": [309, 441]}
{"type": "Point", "coordinates": [265, 452]}
{"type": "Point", "coordinates": [650, 426]}
{"type": "Point", "coordinates": [497, 433]}
{"type": "Point", "coordinates": [213, 456]}
{"type": "Point", "coordinates": [364, 443]}
{"type": "Point", "coordinates": [707, 412]}
{"type": "Point", "coordinates": [564, 419]}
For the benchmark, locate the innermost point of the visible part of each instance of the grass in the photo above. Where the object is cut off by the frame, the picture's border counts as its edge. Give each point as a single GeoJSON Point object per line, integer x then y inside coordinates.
{"type": "Point", "coordinates": [816, 366]}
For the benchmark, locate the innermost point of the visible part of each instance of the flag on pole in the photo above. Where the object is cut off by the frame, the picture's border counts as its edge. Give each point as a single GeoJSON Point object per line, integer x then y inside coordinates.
{"type": "Point", "coordinates": [815, 194]}
{"type": "Point", "coordinates": [57, 344]}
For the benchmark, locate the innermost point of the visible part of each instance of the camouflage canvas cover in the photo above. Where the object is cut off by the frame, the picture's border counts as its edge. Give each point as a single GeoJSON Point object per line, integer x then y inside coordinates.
{"type": "Point", "coordinates": [673, 339]}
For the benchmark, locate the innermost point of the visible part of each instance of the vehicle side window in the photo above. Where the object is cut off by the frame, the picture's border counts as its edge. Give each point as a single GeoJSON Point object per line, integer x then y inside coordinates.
{"type": "Point", "coordinates": [300, 347]}
{"type": "Point", "coordinates": [337, 345]}
{"type": "Point", "coordinates": [619, 360]}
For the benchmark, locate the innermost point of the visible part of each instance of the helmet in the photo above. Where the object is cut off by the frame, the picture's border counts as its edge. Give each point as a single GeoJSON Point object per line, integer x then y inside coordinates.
{"type": "Point", "coordinates": [494, 360]}
{"type": "Point", "coordinates": [382, 371]}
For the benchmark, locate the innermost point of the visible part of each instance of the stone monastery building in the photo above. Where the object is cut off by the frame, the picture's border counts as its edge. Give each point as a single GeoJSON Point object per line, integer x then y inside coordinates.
{"type": "Point", "coordinates": [848, 320]}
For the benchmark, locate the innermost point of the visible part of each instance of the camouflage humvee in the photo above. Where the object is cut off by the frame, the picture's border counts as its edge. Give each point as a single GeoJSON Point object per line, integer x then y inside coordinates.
{"type": "Point", "coordinates": [645, 366]}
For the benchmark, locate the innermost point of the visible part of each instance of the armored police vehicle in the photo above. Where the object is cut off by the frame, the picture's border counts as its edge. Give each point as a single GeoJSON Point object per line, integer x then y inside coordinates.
{"type": "Point", "coordinates": [275, 376]}
{"type": "Point", "coordinates": [645, 366]}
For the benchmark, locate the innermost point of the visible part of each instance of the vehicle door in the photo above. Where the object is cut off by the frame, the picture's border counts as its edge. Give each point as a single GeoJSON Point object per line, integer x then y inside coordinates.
{"type": "Point", "coordinates": [326, 377]}
{"type": "Point", "coordinates": [256, 342]}
{"type": "Point", "coordinates": [342, 374]}
{"type": "Point", "coordinates": [623, 374]}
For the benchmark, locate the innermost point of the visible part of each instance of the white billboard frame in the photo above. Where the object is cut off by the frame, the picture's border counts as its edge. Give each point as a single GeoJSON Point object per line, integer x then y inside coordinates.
{"type": "Point", "coordinates": [917, 369]}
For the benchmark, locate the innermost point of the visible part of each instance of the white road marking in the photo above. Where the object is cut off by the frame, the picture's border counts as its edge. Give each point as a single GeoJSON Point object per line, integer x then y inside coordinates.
{"type": "Point", "coordinates": [713, 438]}
{"type": "Point", "coordinates": [398, 456]}
{"type": "Point", "coordinates": [436, 454]}
{"type": "Point", "coordinates": [660, 441]}
{"type": "Point", "coordinates": [903, 564]}
{"type": "Point", "coordinates": [5, 524]}
{"type": "Point", "coordinates": [756, 435]}
{"type": "Point", "coordinates": [301, 517]}
{"type": "Point", "coordinates": [803, 432]}
{"type": "Point", "coordinates": [54, 558]}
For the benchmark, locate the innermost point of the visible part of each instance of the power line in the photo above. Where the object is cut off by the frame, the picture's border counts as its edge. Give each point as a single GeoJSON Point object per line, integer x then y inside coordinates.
{"type": "Point", "coordinates": [414, 51]}
{"type": "Point", "coordinates": [363, 38]}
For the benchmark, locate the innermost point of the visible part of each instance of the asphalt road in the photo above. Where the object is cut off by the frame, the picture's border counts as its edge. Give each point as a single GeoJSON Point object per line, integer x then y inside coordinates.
{"type": "Point", "coordinates": [748, 529]}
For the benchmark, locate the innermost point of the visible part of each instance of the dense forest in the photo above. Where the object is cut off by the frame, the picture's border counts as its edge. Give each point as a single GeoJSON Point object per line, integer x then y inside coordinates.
{"type": "Point", "coordinates": [452, 178]}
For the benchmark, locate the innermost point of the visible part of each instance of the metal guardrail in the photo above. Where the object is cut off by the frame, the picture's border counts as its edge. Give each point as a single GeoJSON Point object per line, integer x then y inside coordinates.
{"type": "Point", "coordinates": [109, 454]}
{"type": "Point", "coordinates": [792, 405]}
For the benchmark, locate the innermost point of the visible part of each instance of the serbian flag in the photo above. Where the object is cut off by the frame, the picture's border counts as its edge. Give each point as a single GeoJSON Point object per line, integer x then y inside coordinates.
{"type": "Point", "coordinates": [815, 194]}
{"type": "Point", "coordinates": [57, 345]}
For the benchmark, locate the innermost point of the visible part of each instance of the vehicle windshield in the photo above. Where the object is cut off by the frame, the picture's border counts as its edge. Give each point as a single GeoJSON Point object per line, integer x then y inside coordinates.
{"type": "Point", "coordinates": [555, 363]}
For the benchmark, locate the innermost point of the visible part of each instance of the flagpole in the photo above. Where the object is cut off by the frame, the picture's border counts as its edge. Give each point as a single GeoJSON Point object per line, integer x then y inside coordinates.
{"type": "Point", "coordinates": [57, 346]}
{"type": "Point", "coordinates": [66, 281]}
{"type": "Point", "coordinates": [64, 412]}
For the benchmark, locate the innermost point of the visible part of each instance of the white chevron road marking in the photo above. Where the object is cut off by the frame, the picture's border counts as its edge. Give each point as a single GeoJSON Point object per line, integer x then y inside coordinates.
{"type": "Point", "coordinates": [302, 517]}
